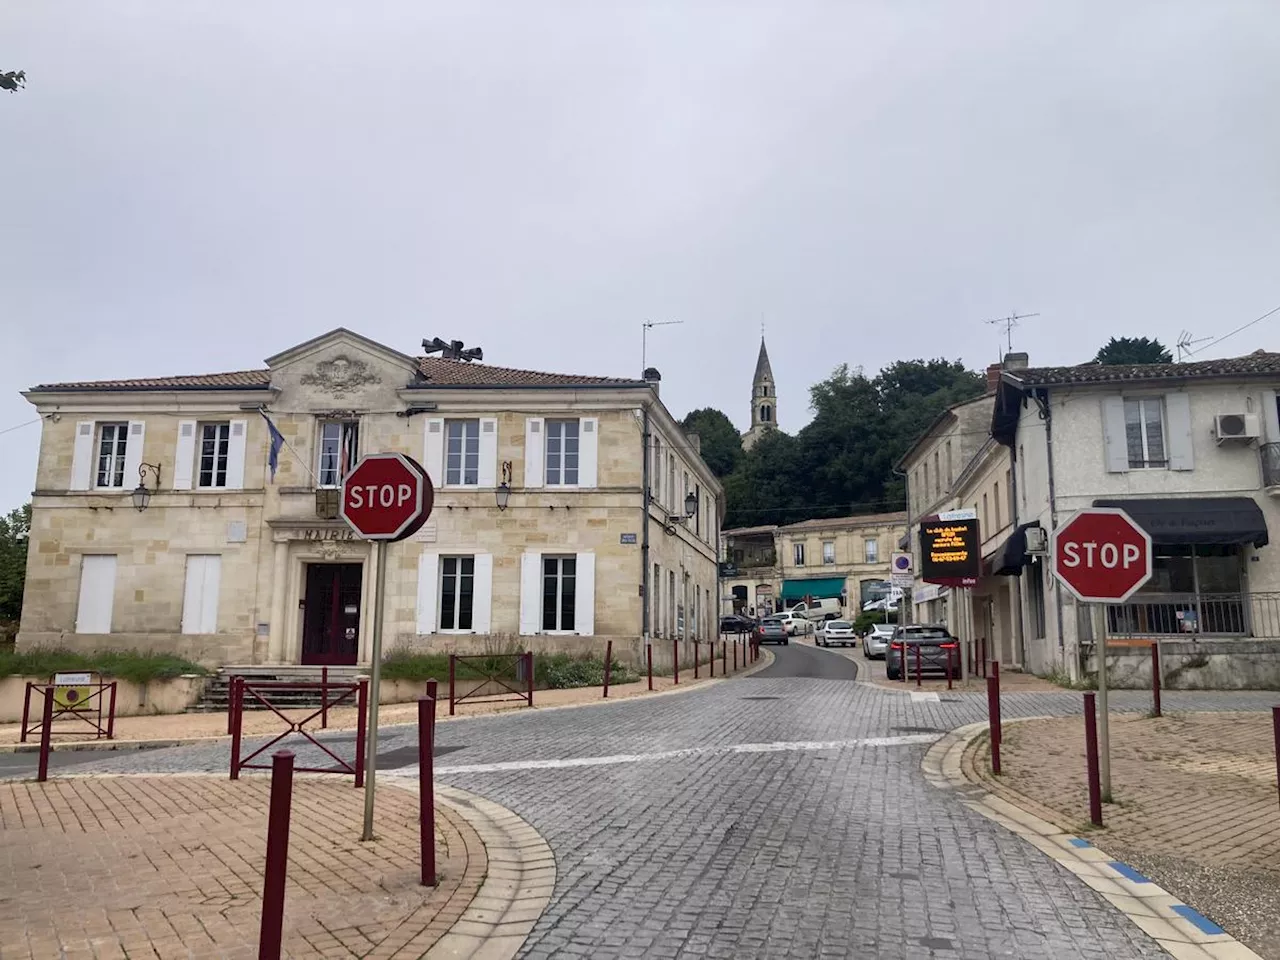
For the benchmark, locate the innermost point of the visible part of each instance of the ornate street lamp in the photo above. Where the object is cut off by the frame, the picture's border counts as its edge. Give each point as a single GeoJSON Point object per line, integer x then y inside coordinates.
{"type": "Point", "coordinates": [141, 495]}
{"type": "Point", "coordinates": [503, 493]}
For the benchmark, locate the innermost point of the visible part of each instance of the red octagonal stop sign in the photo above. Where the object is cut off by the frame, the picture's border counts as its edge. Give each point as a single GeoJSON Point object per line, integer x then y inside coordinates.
{"type": "Point", "coordinates": [1101, 555]}
{"type": "Point", "coordinates": [388, 496]}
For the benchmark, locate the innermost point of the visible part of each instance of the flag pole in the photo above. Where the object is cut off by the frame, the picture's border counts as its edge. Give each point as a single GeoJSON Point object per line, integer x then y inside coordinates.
{"type": "Point", "coordinates": [288, 446]}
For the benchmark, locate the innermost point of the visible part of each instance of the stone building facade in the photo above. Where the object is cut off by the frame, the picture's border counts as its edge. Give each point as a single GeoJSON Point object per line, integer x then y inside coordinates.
{"type": "Point", "coordinates": [228, 564]}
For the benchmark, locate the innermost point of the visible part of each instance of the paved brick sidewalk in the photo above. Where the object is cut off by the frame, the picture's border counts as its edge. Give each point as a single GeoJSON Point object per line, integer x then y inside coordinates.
{"type": "Point", "coordinates": [113, 867]}
{"type": "Point", "coordinates": [1196, 805]}
{"type": "Point", "coordinates": [190, 726]}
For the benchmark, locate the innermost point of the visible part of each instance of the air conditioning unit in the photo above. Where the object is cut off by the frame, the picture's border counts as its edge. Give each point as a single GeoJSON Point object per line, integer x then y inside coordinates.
{"type": "Point", "coordinates": [1237, 426]}
{"type": "Point", "coordinates": [1037, 540]}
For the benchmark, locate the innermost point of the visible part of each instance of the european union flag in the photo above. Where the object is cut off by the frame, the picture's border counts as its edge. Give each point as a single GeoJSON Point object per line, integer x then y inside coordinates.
{"type": "Point", "coordinates": [277, 441]}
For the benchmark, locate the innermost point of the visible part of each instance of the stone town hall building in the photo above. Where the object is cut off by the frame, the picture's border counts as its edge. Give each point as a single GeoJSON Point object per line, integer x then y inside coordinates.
{"type": "Point", "coordinates": [539, 530]}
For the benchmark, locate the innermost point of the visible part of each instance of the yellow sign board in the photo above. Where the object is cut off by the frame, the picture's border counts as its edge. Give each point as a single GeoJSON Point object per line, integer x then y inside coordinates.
{"type": "Point", "coordinates": [71, 691]}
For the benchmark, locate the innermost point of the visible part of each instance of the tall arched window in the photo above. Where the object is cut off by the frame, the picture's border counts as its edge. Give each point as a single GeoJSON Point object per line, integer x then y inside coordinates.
{"type": "Point", "coordinates": [766, 413]}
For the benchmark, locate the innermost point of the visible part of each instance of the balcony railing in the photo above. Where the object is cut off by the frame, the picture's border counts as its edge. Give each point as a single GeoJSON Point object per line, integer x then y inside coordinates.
{"type": "Point", "coordinates": [1191, 615]}
{"type": "Point", "coordinates": [1269, 453]}
{"type": "Point", "coordinates": [753, 561]}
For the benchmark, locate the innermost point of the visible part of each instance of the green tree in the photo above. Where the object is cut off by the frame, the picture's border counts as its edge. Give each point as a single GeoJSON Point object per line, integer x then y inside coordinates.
{"type": "Point", "coordinates": [11, 80]}
{"type": "Point", "coordinates": [721, 444]}
{"type": "Point", "coordinates": [1125, 351]}
{"type": "Point", "coordinates": [15, 531]}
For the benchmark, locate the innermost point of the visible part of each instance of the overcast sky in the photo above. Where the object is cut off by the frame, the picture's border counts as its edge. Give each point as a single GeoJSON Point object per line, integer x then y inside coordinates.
{"type": "Point", "coordinates": [191, 187]}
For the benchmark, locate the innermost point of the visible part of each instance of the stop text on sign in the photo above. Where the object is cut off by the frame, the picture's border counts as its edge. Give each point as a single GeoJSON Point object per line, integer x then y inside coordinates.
{"type": "Point", "coordinates": [1108, 555]}
{"type": "Point", "coordinates": [380, 495]}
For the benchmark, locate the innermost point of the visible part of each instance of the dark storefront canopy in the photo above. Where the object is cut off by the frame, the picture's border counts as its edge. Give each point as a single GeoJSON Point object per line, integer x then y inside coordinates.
{"type": "Point", "coordinates": [820, 588]}
{"type": "Point", "coordinates": [1197, 520]}
{"type": "Point", "coordinates": [1011, 557]}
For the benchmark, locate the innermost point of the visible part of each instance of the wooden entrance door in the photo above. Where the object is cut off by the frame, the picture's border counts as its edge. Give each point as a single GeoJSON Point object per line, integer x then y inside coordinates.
{"type": "Point", "coordinates": [331, 614]}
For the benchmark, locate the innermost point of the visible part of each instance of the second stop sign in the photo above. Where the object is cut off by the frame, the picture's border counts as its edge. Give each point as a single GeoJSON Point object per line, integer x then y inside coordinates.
{"type": "Point", "coordinates": [1101, 555]}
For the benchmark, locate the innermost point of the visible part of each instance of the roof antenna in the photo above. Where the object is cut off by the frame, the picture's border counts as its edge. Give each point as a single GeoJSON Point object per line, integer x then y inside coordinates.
{"type": "Point", "coordinates": [452, 350]}
{"type": "Point", "coordinates": [1185, 343]}
{"type": "Point", "coordinates": [645, 327]}
{"type": "Point", "coordinates": [1010, 322]}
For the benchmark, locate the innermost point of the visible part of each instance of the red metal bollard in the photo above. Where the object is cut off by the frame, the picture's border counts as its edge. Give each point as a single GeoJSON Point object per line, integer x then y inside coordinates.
{"type": "Point", "coordinates": [528, 672]}
{"type": "Point", "coordinates": [695, 659]}
{"type": "Point", "coordinates": [949, 649]}
{"type": "Point", "coordinates": [432, 687]}
{"type": "Point", "coordinates": [735, 656]}
{"type": "Point", "coordinates": [231, 704]}
{"type": "Point", "coordinates": [324, 698]}
{"type": "Point", "coordinates": [993, 721]}
{"type": "Point", "coordinates": [26, 713]}
{"type": "Point", "coordinates": [675, 660]}
{"type": "Point", "coordinates": [273, 875]}
{"type": "Point", "coordinates": [46, 732]}
{"type": "Point", "coordinates": [608, 662]}
{"type": "Point", "coordinates": [111, 714]}
{"type": "Point", "coordinates": [995, 675]}
{"type": "Point", "coordinates": [1091, 758]}
{"type": "Point", "coordinates": [1155, 679]}
{"type": "Point", "coordinates": [724, 658]}
{"type": "Point", "coordinates": [235, 717]}
{"type": "Point", "coordinates": [918, 677]}
{"type": "Point", "coordinates": [427, 788]}
{"type": "Point", "coordinates": [451, 684]}
{"type": "Point", "coordinates": [1275, 722]}
{"type": "Point", "coordinates": [648, 657]}
{"type": "Point", "coordinates": [711, 658]}
{"type": "Point", "coordinates": [362, 723]}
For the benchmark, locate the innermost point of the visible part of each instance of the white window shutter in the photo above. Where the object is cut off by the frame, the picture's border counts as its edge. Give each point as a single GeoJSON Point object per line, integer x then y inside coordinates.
{"type": "Point", "coordinates": [1271, 415]}
{"type": "Point", "coordinates": [428, 588]}
{"type": "Point", "coordinates": [133, 453]}
{"type": "Point", "coordinates": [534, 448]}
{"type": "Point", "coordinates": [1177, 408]}
{"type": "Point", "coordinates": [1113, 435]}
{"type": "Point", "coordinates": [200, 596]}
{"type": "Point", "coordinates": [235, 454]}
{"type": "Point", "coordinates": [487, 475]}
{"type": "Point", "coordinates": [97, 593]}
{"type": "Point", "coordinates": [530, 592]}
{"type": "Point", "coordinates": [588, 450]}
{"type": "Point", "coordinates": [82, 456]}
{"type": "Point", "coordinates": [584, 599]}
{"type": "Point", "coordinates": [433, 450]}
{"type": "Point", "coordinates": [184, 456]}
{"type": "Point", "coordinates": [482, 593]}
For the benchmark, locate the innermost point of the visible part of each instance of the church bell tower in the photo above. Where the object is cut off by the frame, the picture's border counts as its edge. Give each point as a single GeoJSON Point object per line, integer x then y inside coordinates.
{"type": "Point", "coordinates": [764, 400]}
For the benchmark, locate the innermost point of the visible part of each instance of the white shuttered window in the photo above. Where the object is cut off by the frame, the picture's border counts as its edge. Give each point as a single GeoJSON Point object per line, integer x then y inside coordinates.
{"type": "Point", "coordinates": [200, 596]}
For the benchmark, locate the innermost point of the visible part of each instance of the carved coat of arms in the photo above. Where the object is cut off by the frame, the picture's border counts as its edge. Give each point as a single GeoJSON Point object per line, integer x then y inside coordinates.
{"type": "Point", "coordinates": [340, 376]}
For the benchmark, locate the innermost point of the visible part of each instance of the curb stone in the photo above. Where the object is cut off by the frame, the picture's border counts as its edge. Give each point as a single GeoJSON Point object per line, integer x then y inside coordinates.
{"type": "Point", "coordinates": [1181, 931]}
{"type": "Point", "coordinates": [766, 660]}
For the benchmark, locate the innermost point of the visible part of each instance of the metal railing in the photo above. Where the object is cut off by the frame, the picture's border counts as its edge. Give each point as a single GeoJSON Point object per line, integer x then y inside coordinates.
{"type": "Point", "coordinates": [1269, 454]}
{"type": "Point", "coordinates": [1192, 615]}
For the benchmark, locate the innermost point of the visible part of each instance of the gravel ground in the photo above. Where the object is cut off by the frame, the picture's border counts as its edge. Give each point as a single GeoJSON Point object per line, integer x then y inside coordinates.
{"type": "Point", "coordinates": [1244, 902]}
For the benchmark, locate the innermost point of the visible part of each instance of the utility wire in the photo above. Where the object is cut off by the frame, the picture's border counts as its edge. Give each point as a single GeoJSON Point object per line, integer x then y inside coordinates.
{"type": "Point", "coordinates": [1246, 326]}
{"type": "Point", "coordinates": [19, 426]}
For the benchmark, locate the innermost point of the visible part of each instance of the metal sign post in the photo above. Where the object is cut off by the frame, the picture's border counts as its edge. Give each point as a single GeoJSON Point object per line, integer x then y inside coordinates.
{"type": "Point", "coordinates": [386, 497]}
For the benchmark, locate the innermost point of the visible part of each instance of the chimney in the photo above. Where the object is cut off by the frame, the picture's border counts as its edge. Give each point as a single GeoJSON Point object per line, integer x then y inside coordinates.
{"type": "Point", "coordinates": [1016, 361]}
{"type": "Point", "coordinates": [653, 378]}
{"type": "Point", "coordinates": [696, 442]}
{"type": "Point", "coordinates": [993, 377]}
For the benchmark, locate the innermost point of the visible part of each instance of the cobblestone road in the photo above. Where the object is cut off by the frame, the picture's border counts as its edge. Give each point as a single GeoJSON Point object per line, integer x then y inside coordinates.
{"type": "Point", "coordinates": [780, 815]}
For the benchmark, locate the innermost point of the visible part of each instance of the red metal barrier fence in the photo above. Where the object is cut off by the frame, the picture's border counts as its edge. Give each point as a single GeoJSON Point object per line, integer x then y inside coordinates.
{"type": "Point", "coordinates": [498, 677]}
{"type": "Point", "coordinates": [334, 694]}
{"type": "Point", "coordinates": [91, 703]}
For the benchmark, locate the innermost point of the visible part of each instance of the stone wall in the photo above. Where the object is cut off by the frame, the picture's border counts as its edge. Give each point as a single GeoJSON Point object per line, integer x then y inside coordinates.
{"type": "Point", "coordinates": [1206, 665]}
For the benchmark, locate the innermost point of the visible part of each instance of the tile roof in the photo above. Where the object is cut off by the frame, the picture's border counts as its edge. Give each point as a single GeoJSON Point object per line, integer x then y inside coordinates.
{"type": "Point", "coordinates": [862, 520]}
{"type": "Point", "coordinates": [436, 372]}
{"type": "Point", "coordinates": [1259, 362]}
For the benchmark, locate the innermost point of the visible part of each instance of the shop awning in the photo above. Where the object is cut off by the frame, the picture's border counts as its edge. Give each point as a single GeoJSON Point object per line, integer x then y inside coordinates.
{"type": "Point", "coordinates": [1197, 520]}
{"type": "Point", "coordinates": [1011, 556]}
{"type": "Point", "coordinates": [819, 588]}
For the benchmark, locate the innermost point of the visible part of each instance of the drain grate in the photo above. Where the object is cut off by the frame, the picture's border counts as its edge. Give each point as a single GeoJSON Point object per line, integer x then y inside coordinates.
{"type": "Point", "coordinates": [408, 756]}
{"type": "Point", "coordinates": [761, 698]}
{"type": "Point", "coordinates": [935, 943]}
{"type": "Point", "coordinates": [916, 730]}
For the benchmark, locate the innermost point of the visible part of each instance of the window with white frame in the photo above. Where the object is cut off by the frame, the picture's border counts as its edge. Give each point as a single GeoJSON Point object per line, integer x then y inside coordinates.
{"type": "Point", "coordinates": [339, 451]}
{"type": "Point", "coordinates": [1144, 432]}
{"type": "Point", "coordinates": [113, 440]}
{"type": "Point", "coordinates": [871, 550]}
{"type": "Point", "coordinates": [462, 453]}
{"type": "Point", "coordinates": [562, 454]}
{"type": "Point", "coordinates": [215, 448]}
{"type": "Point", "coordinates": [457, 592]}
{"type": "Point", "coordinates": [828, 551]}
{"type": "Point", "coordinates": [559, 576]}
{"type": "Point", "coordinates": [797, 554]}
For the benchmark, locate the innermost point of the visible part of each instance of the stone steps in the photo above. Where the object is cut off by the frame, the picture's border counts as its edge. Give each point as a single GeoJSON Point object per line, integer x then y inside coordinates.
{"type": "Point", "coordinates": [217, 691]}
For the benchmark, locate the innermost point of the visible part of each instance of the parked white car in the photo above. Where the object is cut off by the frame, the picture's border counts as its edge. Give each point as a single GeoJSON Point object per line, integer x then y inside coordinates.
{"type": "Point", "coordinates": [794, 623]}
{"type": "Point", "coordinates": [833, 633]}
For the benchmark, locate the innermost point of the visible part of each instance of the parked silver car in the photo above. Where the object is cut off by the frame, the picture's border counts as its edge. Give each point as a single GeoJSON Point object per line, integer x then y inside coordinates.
{"type": "Point", "coordinates": [875, 645]}
{"type": "Point", "coordinates": [836, 633]}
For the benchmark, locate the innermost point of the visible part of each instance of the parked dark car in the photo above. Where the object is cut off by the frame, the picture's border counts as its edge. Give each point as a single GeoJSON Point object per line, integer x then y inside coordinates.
{"type": "Point", "coordinates": [736, 623]}
{"type": "Point", "coordinates": [772, 630]}
{"type": "Point", "coordinates": [935, 645]}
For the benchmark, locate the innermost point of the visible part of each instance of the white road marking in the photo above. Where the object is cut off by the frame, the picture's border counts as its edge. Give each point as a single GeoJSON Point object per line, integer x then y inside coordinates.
{"type": "Point", "coordinates": [924, 697]}
{"type": "Point", "coordinates": [776, 747]}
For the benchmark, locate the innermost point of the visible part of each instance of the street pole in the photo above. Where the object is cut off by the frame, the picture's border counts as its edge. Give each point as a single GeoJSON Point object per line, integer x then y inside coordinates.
{"type": "Point", "coordinates": [375, 682]}
{"type": "Point", "coordinates": [1104, 727]}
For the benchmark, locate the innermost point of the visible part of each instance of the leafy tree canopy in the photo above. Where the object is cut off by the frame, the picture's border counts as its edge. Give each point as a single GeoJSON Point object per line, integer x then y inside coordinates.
{"type": "Point", "coordinates": [721, 444]}
{"type": "Point", "coordinates": [1130, 350]}
{"type": "Point", "coordinates": [841, 463]}
{"type": "Point", "coordinates": [14, 531]}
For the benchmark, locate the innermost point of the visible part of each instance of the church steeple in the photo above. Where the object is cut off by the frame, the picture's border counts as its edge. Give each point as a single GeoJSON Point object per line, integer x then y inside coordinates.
{"type": "Point", "coordinates": [764, 399]}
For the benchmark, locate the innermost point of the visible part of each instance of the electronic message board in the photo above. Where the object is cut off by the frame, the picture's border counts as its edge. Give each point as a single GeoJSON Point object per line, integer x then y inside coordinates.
{"type": "Point", "coordinates": [951, 549]}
